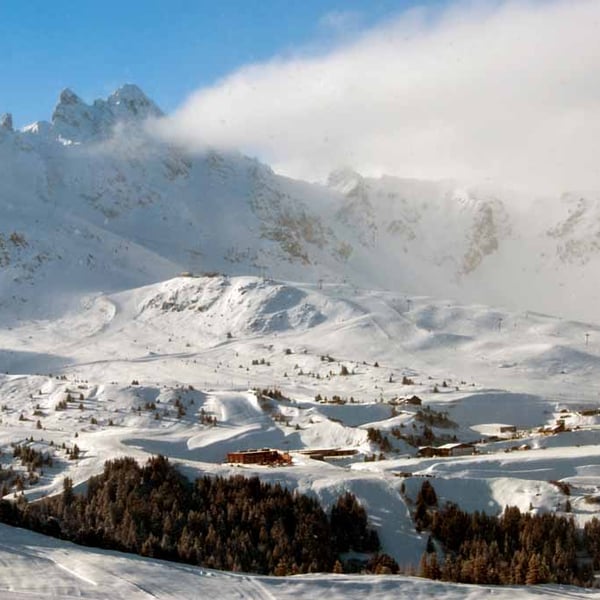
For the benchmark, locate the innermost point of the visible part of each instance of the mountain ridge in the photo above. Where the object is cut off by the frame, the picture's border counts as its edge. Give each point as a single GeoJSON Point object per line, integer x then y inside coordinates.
{"type": "Point", "coordinates": [96, 201]}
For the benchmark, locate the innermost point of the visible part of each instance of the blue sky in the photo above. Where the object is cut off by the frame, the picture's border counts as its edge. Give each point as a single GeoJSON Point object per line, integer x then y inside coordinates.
{"type": "Point", "coordinates": [169, 48]}
{"type": "Point", "coordinates": [494, 91]}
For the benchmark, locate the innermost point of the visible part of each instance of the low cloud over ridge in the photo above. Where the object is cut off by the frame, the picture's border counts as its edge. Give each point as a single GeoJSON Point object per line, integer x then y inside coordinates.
{"type": "Point", "coordinates": [500, 91]}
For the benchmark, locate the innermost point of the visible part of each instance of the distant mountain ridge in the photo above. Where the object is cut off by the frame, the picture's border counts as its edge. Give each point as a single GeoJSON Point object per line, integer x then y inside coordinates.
{"type": "Point", "coordinates": [95, 201]}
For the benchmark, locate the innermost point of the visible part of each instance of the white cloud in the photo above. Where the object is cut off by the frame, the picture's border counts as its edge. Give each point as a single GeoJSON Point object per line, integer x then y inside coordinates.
{"type": "Point", "coordinates": [507, 91]}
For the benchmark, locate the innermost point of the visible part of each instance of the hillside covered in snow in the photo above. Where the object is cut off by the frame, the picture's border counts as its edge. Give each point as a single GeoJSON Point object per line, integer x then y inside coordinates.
{"type": "Point", "coordinates": [96, 200]}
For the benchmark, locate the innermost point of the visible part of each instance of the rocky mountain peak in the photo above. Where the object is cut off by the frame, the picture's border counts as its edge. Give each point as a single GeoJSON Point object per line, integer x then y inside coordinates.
{"type": "Point", "coordinates": [68, 97]}
{"type": "Point", "coordinates": [131, 99]}
{"type": "Point", "coordinates": [6, 122]}
{"type": "Point", "coordinates": [344, 180]}
{"type": "Point", "coordinates": [76, 121]}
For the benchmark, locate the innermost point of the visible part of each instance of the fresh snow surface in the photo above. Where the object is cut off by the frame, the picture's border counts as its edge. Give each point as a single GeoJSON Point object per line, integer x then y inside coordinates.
{"type": "Point", "coordinates": [208, 341]}
{"type": "Point", "coordinates": [35, 567]}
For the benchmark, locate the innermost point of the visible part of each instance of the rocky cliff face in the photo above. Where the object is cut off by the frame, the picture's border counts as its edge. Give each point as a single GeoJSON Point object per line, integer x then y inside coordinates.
{"type": "Point", "coordinates": [577, 234]}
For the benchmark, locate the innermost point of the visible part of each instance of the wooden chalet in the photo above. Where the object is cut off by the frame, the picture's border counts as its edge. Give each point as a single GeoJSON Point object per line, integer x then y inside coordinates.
{"type": "Point", "coordinates": [452, 449]}
{"type": "Point", "coordinates": [264, 456]}
{"type": "Point", "coordinates": [413, 400]}
{"type": "Point", "coordinates": [325, 453]}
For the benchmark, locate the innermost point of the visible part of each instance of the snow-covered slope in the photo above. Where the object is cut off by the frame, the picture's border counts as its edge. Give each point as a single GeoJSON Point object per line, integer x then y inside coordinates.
{"type": "Point", "coordinates": [34, 567]}
{"type": "Point", "coordinates": [94, 201]}
{"type": "Point", "coordinates": [478, 243]}
{"type": "Point", "coordinates": [142, 367]}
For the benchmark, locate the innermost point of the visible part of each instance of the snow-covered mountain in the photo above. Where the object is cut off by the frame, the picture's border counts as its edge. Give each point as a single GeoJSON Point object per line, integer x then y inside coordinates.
{"type": "Point", "coordinates": [96, 201]}
{"type": "Point", "coordinates": [111, 341]}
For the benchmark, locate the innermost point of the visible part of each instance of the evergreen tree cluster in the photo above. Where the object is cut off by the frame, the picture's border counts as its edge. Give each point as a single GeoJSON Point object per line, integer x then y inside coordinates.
{"type": "Point", "coordinates": [592, 541]}
{"type": "Point", "coordinates": [349, 527]}
{"type": "Point", "coordinates": [237, 523]}
{"type": "Point", "coordinates": [514, 548]}
{"type": "Point", "coordinates": [32, 460]}
{"type": "Point", "coordinates": [375, 436]}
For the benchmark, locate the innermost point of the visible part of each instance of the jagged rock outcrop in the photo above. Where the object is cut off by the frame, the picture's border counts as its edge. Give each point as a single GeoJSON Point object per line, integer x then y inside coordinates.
{"type": "Point", "coordinates": [6, 122]}
{"type": "Point", "coordinates": [75, 121]}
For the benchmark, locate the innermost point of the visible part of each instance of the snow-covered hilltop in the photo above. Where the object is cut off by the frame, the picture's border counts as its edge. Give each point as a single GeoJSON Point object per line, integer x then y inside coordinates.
{"type": "Point", "coordinates": [94, 200]}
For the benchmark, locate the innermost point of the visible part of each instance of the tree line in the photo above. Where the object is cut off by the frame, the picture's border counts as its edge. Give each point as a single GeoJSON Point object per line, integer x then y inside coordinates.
{"type": "Point", "coordinates": [513, 548]}
{"type": "Point", "coordinates": [235, 523]}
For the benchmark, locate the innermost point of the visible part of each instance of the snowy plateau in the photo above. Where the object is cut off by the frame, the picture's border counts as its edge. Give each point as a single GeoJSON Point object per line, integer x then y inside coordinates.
{"type": "Point", "coordinates": [154, 286]}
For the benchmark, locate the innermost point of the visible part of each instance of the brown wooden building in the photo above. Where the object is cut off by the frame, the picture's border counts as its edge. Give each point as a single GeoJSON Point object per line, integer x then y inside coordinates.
{"type": "Point", "coordinates": [265, 456]}
{"type": "Point", "coordinates": [414, 400]}
{"type": "Point", "coordinates": [325, 453]}
{"type": "Point", "coordinates": [452, 449]}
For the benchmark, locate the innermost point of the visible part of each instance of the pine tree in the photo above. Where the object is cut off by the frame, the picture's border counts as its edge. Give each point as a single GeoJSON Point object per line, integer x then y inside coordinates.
{"type": "Point", "coordinates": [427, 495]}
{"type": "Point", "coordinates": [282, 568]}
{"type": "Point", "coordinates": [533, 570]}
{"type": "Point", "coordinates": [68, 495]}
